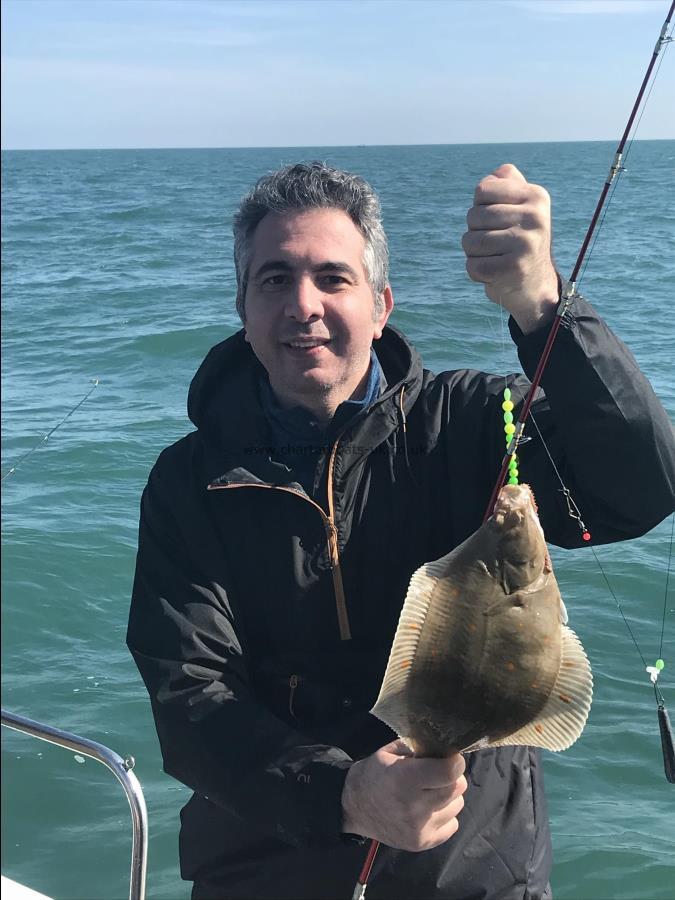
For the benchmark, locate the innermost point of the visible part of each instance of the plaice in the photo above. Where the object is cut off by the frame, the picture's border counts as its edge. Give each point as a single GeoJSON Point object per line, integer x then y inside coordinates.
{"type": "Point", "coordinates": [482, 655]}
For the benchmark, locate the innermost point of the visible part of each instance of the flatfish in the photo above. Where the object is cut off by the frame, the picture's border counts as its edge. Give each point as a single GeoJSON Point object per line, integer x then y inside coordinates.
{"type": "Point", "coordinates": [483, 656]}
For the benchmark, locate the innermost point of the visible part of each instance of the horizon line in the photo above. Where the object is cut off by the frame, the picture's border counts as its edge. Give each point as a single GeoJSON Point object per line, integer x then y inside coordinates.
{"type": "Point", "coordinates": [319, 146]}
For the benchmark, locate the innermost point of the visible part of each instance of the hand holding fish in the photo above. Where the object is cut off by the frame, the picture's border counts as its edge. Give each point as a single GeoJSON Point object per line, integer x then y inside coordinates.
{"type": "Point", "coordinates": [403, 801]}
{"type": "Point", "coordinates": [508, 246]}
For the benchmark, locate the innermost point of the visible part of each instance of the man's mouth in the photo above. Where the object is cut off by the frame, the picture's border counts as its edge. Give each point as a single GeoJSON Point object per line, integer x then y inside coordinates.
{"type": "Point", "coordinates": [306, 343]}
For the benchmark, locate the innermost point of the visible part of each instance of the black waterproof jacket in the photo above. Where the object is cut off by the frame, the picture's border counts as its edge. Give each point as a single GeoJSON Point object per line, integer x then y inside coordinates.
{"type": "Point", "coordinates": [262, 617]}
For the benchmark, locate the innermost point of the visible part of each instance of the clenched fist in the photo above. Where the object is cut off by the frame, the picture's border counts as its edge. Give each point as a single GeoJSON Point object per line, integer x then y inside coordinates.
{"type": "Point", "coordinates": [403, 801]}
{"type": "Point", "coordinates": [508, 246]}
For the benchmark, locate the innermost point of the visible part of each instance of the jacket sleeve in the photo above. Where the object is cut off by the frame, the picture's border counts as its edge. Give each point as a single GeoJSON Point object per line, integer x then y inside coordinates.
{"type": "Point", "coordinates": [214, 736]}
{"type": "Point", "coordinates": [605, 429]}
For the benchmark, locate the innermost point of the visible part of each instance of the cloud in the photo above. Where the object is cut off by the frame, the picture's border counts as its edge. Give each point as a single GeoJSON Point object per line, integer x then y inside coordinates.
{"type": "Point", "coordinates": [587, 7]}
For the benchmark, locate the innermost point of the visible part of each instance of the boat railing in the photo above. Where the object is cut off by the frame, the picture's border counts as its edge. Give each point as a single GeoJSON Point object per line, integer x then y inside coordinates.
{"type": "Point", "coordinates": [121, 768]}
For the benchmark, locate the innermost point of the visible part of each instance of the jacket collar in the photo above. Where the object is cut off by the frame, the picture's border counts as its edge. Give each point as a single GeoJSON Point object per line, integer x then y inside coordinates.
{"type": "Point", "coordinates": [224, 403]}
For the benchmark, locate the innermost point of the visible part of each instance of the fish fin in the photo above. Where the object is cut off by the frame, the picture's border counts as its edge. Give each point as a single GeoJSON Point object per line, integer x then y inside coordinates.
{"type": "Point", "coordinates": [562, 719]}
{"type": "Point", "coordinates": [564, 618]}
{"type": "Point", "coordinates": [390, 705]}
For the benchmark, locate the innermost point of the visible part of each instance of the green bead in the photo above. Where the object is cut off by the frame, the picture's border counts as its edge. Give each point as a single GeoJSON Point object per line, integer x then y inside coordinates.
{"type": "Point", "coordinates": [659, 664]}
{"type": "Point", "coordinates": [514, 459]}
{"type": "Point", "coordinates": [508, 417]}
{"type": "Point", "coordinates": [507, 394]}
{"type": "Point", "coordinates": [513, 473]}
{"type": "Point", "coordinates": [513, 481]}
{"type": "Point", "coordinates": [507, 406]}
{"type": "Point", "coordinates": [510, 428]}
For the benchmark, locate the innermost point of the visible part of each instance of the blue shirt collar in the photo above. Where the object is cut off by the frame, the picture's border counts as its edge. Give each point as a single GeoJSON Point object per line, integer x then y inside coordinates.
{"type": "Point", "coordinates": [300, 426]}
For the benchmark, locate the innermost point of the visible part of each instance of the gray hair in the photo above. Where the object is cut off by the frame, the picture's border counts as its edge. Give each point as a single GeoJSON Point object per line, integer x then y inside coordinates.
{"type": "Point", "coordinates": [306, 186]}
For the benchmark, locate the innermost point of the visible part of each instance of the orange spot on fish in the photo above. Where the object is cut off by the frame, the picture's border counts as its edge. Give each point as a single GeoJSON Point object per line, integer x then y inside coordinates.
{"type": "Point", "coordinates": [565, 698]}
{"type": "Point", "coordinates": [539, 729]}
{"type": "Point", "coordinates": [510, 666]}
{"type": "Point", "coordinates": [534, 684]}
{"type": "Point", "coordinates": [405, 664]}
{"type": "Point", "coordinates": [472, 627]}
{"type": "Point", "coordinates": [414, 626]}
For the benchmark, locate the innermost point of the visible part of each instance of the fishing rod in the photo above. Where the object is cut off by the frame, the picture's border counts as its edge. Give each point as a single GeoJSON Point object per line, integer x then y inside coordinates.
{"type": "Point", "coordinates": [570, 288]}
{"type": "Point", "coordinates": [515, 432]}
{"type": "Point", "coordinates": [44, 439]}
{"type": "Point", "coordinates": [568, 293]}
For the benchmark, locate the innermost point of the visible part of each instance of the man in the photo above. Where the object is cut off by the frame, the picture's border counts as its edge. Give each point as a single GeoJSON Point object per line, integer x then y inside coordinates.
{"type": "Point", "coordinates": [277, 542]}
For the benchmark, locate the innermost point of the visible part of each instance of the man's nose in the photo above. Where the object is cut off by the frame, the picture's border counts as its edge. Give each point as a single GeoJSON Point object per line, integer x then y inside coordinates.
{"type": "Point", "coordinates": [304, 301]}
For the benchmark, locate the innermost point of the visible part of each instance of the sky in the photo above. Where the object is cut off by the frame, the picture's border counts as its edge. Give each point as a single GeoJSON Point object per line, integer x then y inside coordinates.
{"type": "Point", "coordinates": [294, 73]}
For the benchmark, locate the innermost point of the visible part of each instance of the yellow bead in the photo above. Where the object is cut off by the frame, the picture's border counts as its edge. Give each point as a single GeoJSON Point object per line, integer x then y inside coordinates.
{"type": "Point", "coordinates": [510, 428]}
{"type": "Point", "coordinates": [507, 405]}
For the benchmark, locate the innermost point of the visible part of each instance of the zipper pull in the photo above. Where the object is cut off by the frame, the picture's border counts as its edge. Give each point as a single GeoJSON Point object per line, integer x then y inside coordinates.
{"type": "Point", "coordinates": [332, 544]}
{"type": "Point", "coordinates": [292, 684]}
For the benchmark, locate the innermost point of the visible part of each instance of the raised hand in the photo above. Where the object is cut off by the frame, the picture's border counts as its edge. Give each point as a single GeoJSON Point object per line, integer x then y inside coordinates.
{"type": "Point", "coordinates": [508, 246]}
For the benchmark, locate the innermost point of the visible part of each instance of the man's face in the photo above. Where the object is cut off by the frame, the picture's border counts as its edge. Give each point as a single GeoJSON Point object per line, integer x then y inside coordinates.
{"type": "Point", "coordinates": [310, 309]}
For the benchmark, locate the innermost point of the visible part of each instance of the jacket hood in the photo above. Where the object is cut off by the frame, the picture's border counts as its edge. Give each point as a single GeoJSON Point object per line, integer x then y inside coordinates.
{"type": "Point", "coordinates": [231, 369]}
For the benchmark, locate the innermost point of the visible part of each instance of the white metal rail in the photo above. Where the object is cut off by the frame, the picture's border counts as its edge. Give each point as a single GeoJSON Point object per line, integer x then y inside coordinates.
{"type": "Point", "coordinates": [121, 768]}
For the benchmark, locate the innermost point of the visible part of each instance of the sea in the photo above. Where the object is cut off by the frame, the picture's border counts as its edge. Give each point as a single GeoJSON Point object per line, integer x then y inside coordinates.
{"type": "Point", "coordinates": [117, 267]}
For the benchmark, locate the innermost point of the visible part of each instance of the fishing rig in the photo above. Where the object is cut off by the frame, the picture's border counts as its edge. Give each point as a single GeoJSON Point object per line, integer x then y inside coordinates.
{"type": "Point", "coordinates": [45, 438]}
{"type": "Point", "coordinates": [514, 431]}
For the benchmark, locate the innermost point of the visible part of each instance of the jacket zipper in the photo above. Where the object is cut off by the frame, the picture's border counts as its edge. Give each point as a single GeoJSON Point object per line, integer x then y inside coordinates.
{"type": "Point", "coordinates": [340, 600]}
{"type": "Point", "coordinates": [331, 536]}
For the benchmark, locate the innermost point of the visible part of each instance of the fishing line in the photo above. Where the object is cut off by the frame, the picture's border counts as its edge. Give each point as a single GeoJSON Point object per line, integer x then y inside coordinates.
{"type": "Point", "coordinates": [618, 605]}
{"type": "Point", "coordinates": [597, 558]}
{"type": "Point", "coordinates": [569, 291]}
{"type": "Point", "coordinates": [617, 169]}
{"type": "Point", "coordinates": [503, 341]}
{"type": "Point", "coordinates": [653, 670]}
{"type": "Point", "coordinates": [507, 403]}
{"type": "Point", "coordinates": [515, 436]}
{"type": "Point", "coordinates": [665, 729]}
{"type": "Point", "coordinates": [667, 39]}
{"type": "Point", "coordinates": [665, 598]}
{"type": "Point", "coordinates": [572, 508]}
{"type": "Point", "coordinates": [600, 224]}
{"type": "Point", "coordinates": [50, 433]}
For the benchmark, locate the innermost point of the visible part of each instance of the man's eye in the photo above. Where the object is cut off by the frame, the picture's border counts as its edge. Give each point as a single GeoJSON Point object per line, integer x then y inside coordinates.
{"type": "Point", "coordinates": [275, 281]}
{"type": "Point", "coordinates": [334, 280]}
